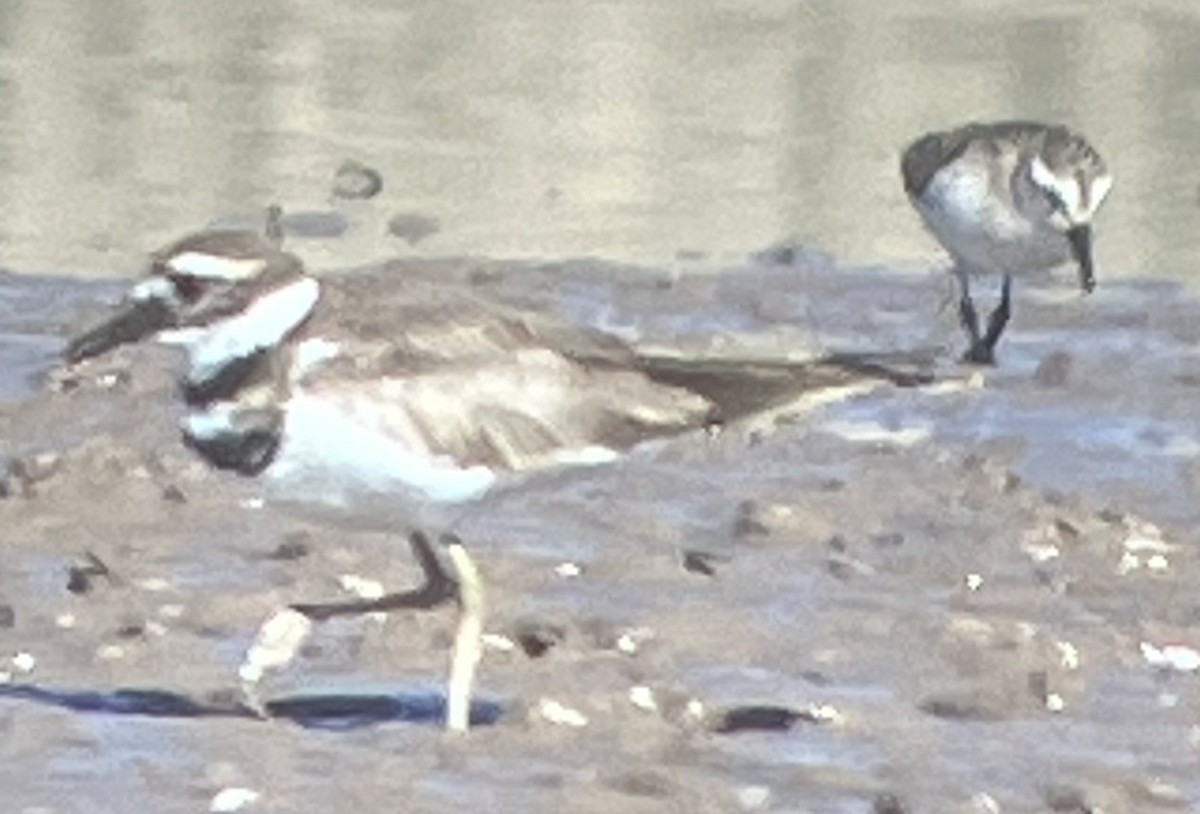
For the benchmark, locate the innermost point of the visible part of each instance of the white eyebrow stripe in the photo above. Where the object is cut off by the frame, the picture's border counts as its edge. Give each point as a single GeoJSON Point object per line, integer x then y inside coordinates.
{"type": "Point", "coordinates": [214, 266]}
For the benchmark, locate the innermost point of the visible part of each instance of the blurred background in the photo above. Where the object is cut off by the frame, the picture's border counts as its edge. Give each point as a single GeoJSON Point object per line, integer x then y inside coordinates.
{"type": "Point", "coordinates": [664, 132]}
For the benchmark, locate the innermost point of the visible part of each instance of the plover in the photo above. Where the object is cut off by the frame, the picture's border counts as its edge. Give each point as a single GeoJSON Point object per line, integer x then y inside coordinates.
{"type": "Point", "coordinates": [391, 395]}
{"type": "Point", "coordinates": [1006, 198]}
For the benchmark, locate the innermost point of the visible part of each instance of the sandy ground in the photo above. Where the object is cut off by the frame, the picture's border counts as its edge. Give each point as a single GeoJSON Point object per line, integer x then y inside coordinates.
{"type": "Point", "coordinates": [965, 594]}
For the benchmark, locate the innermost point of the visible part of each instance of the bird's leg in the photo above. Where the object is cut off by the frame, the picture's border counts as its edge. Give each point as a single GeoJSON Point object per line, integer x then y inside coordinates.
{"type": "Point", "coordinates": [468, 645]}
{"type": "Point", "coordinates": [966, 308]}
{"type": "Point", "coordinates": [983, 348]}
{"type": "Point", "coordinates": [999, 317]}
{"type": "Point", "coordinates": [281, 635]}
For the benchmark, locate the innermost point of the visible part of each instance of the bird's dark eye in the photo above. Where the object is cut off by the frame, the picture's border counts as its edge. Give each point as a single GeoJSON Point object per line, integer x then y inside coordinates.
{"type": "Point", "coordinates": [188, 287]}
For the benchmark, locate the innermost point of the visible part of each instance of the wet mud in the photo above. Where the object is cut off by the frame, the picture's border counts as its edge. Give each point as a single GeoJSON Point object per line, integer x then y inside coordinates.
{"type": "Point", "coordinates": [973, 595]}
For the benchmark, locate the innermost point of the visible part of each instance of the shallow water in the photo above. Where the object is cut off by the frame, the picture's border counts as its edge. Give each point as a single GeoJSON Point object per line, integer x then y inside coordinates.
{"type": "Point", "coordinates": [619, 129]}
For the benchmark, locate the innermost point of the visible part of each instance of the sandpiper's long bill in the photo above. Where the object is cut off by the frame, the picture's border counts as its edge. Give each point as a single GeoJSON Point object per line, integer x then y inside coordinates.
{"type": "Point", "coordinates": [384, 390]}
{"type": "Point", "coordinates": [1006, 198]}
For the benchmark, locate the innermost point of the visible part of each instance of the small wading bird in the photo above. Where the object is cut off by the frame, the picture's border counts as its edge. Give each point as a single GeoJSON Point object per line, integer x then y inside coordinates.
{"type": "Point", "coordinates": [385, 395]}
{"type": "Point", "coordinates": [1006, 198]}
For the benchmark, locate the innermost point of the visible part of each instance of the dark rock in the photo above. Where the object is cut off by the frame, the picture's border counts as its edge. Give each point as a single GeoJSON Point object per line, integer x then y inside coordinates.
{"type": "Point", "coordinates": [413, 227]}
{"type": "Point", "coordinates": [702, 562]}
{"type": "Point", "coordinates": [294, 547]}
{"type": "Point", "coordinates": [758, 718]}
{"type": "Point", "coordinates": [356, 181]}
{"type": "Point", "coordinates": [538, 638]}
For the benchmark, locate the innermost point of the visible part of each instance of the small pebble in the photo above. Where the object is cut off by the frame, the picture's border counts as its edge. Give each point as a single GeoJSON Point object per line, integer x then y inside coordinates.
{"type": "Point", "coordinates": [8, 616]}
{"type": "Point", "coordinates": [642, 697]}
{"type": "Point", "coordinates": [232, 799]}
{"type": "Point", "coordinates": [354, 180]}
{"type": "Point", "coordinates": [24, 662]}
{"type": "Point", "coordinates": [413, 227]}
{"type": "Point", "coordinates": [556, 713]}
{"type": "Point", "coordinates": [361, 587]}
{"type": "Point", "coordinates": [568, 569]}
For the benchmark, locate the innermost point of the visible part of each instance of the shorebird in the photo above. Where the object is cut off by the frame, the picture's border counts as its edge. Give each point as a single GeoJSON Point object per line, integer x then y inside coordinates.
{"type": "Point", "coordinates": [1006, 198]}
{"type": "Point", "coordinates": [397, 395]}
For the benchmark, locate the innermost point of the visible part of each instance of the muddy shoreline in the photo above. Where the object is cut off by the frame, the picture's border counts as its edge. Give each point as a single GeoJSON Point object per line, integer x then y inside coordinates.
{"type": "Point", "coordinates": [953, 586]}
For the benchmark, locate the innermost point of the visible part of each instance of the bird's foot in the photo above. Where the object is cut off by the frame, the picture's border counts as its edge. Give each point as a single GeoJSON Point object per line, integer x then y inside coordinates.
{"type": "Point", "coordinates": [275, 646]}
{"type": "Point", "coordinates": [980, 353]}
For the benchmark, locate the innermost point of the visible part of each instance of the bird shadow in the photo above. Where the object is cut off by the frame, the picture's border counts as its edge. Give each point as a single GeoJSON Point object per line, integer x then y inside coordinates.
{"type": "Point", "coordinates": [325, 711]}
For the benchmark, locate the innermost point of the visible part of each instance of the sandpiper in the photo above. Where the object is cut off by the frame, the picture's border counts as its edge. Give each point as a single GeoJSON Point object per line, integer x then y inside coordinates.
{"type": "Point", "coordinates": [391, 395]}
{"type": "Point", "coordinates": [1006, 198]}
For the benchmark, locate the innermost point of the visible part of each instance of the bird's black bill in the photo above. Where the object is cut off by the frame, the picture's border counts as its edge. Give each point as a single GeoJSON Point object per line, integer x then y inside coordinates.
{"type": "Point", "coordinates": [136, 319]}
{"type": "Point", "coordinates": [1080, 238]}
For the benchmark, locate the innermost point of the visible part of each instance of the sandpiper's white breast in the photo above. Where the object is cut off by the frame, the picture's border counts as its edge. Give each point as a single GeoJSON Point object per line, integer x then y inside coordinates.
{"type": "Point", "coordinates": [981, 226]}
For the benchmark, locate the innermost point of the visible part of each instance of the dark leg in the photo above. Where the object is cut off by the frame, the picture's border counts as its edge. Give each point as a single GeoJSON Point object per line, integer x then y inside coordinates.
{"type": "Point", "coordinates": [966, 308]}
{"type": "Point", "coordinates": [983, 348]}
{"type": "Point", "coordinates": [999, 317]}
{"type": "Point", "coordinates": [438, 588]}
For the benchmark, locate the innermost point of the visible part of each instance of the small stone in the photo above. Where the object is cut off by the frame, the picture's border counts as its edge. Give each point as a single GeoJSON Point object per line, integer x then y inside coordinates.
{"type": "Point", "coordinates": [700, 562]}
{"type": "Point", "coordinates": [232, 799]}
{"type": "Point", "coordinates": [758, 718]}
{"type": "Point", "coordinates": [642, 697]}
{"type": "Point", "coordinates": [293, 547]}
{"type": "Point", "coordinates": [413, 227]}
{"type": "Point", "coordinates": [173, 494]}
{"type": "Point", "coordinates": [538, 638]}
{"type": "Point", "coordinates": [8, 616]}
{"type": "Point", "coordinates": [24, 662]}
{"type": "Point", "coordinates": [356, 181]}
{"type": "Point", "coordinates": [556, 713]}
{"type": "Point", "coordinates": [568, 570]}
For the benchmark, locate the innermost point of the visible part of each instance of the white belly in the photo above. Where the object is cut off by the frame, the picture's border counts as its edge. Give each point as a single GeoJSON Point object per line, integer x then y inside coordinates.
{"type": "Point", "coordinates": [345, 458]}
{"type": "Point", "coordinates": [983, 230]}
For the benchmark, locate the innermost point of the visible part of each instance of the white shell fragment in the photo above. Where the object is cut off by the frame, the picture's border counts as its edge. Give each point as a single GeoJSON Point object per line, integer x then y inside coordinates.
{"type": "Point", "coordinates": [974, 582]}
{"type": "Point", "coordinates": [1172, 657]}
{"type": "Point", "coordinates": [630, 641]}
{"type": "Point", "coordinates": [498, 642]}
{"type": "Point", "coordinates": [24, 662]}
{"type": "Point", "coordinates": [1055, 702]}
{"type": "Point", "coordinates": [825, 714]}
{"type": "Point", "coordinates": [276, 644]}
{"type": "Point", "coordinates": [568, 570]}
{"type": "Point", "coordinates": [1068, 655]}
{"type": "Point", "coordinates": [642, 697]}
{"type": "Point", "coordinates": [361, 587]}
{"type": "Point", "coordinates": [556, 713]}
{"type": "Point", "coordinates": [232, 799]}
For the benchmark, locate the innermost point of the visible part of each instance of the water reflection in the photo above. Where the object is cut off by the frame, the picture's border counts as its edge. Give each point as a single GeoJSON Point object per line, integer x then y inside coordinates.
{"type": "Point", "coordinates": [622, 129]}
